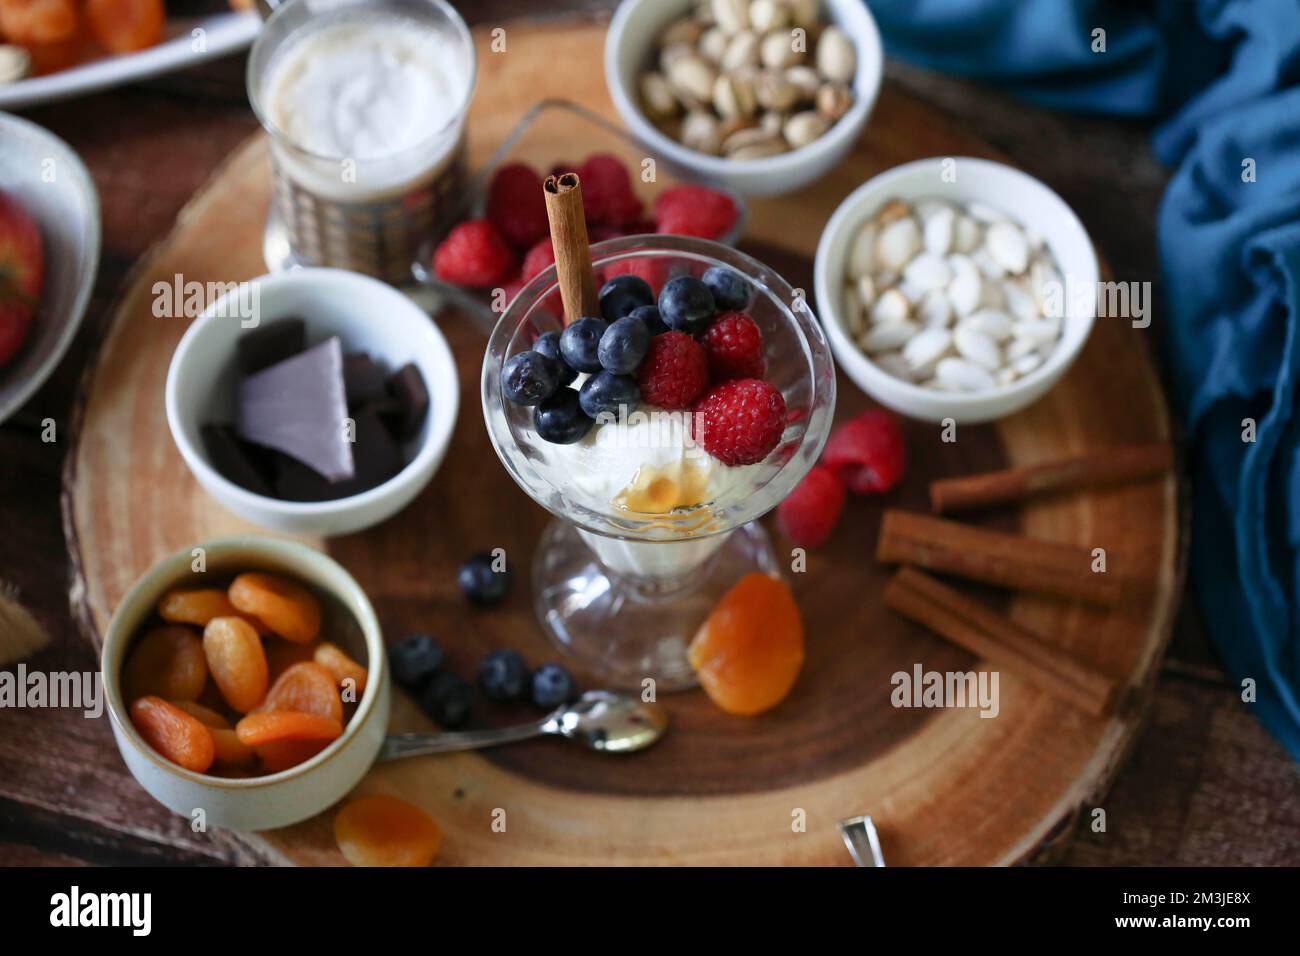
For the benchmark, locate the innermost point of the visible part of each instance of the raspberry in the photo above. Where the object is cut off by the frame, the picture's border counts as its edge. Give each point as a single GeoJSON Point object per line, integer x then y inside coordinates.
{"type": "Point", "coordinates": [867, 452]}
{"type": "Point", "coordinates": [674, 372]}
{"type": "Point", "coordinates": [735, 347]}
{"type": "Point", "coordinates": [741, 421]}
{"type": "Point", "coordinates": [516, 205]}
{"type": "Point", "coordinates": [538, 259]}
{"type": "Point", "coordinates": [809, 514]}
{"type": "Point", "coordinates": [694, 211]}
{"type": "Point", "coordinates": [607, 194]}
{"type": "Point", "coordinates": [473, 254]}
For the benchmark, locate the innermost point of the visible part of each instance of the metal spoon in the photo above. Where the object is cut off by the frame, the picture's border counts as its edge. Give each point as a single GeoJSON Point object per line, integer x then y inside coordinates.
{"type": "Point", "coordinates": [599, 719]}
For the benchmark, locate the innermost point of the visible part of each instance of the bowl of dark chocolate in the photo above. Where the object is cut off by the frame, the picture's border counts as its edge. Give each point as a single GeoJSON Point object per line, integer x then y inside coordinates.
{"type": "Point", "coordinates": [316, 401]}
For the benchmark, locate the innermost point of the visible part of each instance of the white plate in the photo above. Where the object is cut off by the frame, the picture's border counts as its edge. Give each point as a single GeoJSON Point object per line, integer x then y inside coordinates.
{"type": "Point", "coordinates": [222, 33]}
{"type": "Point", "coordinates": [53, 185]}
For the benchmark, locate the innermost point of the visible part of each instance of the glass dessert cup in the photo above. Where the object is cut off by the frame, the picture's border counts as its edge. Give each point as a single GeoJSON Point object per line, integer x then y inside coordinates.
{"type": "Point", "coordinates": [650, 530]}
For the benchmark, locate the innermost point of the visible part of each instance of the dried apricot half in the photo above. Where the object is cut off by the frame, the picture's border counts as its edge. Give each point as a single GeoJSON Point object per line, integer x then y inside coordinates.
{"type": "Point", "coordinates": [237, 661]}
{"type": "Point", "coordinates": [307, 688]}
{"type": "Point", "coordinates": [176, 735]}
{"type": "Point", "coordinates": [271, 726]}
{"type": "Point", "coordinates": [166, 662]}
{"type": "Point", "coordinates": [281, 655]}
{"type": "Point", "coordinates": [198, 606]}
{"type": "Point", "coordinates": [749, 651]}
{"type": "Point", "coordinates": [335, 660]}
{"type": "Point", "coordinates": [287, 608]}
{"type": "Point", "coordinates": [230, 752]}
{"type": "Point", "coordinates": [379, 830]}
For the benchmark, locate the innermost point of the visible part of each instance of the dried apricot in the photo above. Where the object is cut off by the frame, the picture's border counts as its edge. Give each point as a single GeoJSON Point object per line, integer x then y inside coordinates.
{"type": "Point", "coordinates": [200, 605]}
{"type": "Point", "coordinates": [125, 26]}
{"type": "Point", "coordinates": [237, 661]}
{"type": "Point", "coordinates": [307, 688]}
{"type": "Point", "coordinates": [271, 726]}
{"type": "Point", "coordinates": [335, 660]}
{"type": "Point", "coordinates": [283, 754]}
{"type": "Point", "coordinates": [176, 735]}
{"type": "Point", "coordinates": [749, 651]}
{"type": "Point", "coordinates": [229, 751]}
{"type": "Point", "coordinates": [379, 830]}
{"type": "Point", "coordinates": [166, 662]}
{"type": "Point", "coordinates": [288, 609]}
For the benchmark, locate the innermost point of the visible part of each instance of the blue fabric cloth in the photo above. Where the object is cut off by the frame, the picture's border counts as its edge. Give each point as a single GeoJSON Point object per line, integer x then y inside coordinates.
{"type": "Point", "coordinates": [1223, 79]}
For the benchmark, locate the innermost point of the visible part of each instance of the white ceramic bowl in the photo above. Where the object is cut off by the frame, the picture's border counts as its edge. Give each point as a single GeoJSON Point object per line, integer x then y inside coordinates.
{"type": "Point", "coordinates": [279, 799]}
{"type": "Point", "coordinates": [636, 26]}
{"type": "Point", "coordinates": [369, 316]}
{"type": "Point", "coordinates": [53, 185]}
{"type": "Point", "coordinates": [1026, 201]}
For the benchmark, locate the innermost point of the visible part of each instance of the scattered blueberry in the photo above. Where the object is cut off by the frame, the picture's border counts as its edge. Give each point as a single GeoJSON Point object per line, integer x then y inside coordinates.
{"type": "Point", "coordinates": [686, 304]}
{"type": "Point", "coordinates": [503, 676]}
{"type": "Point", "coordinates": [606, 392]}
{"type": "Point", "coordinates": [623, 345]}
{"type": "Point", "coordinates": [560, 419]}
{"type": "Point", "coordinates": [580, 344]}
{"type": "Point", "coordinates": [730, 289]}
{"type": "Point", "coordinates": [529, 378]}
{"type": "Point", "coordinates": [548, 344]}
{"type": "Point", "coordinates": [481, 582]}
{"type": "Point", "coordinates": [414, 659]}
{"type": "Point", "coordinates": [551, 686]}
{"type": "Point", "coordinates": [649, 314]}
{"type": "Point", "coordinates": [448, 699]}
{"type": "Point", "coordinates": [621, 294]}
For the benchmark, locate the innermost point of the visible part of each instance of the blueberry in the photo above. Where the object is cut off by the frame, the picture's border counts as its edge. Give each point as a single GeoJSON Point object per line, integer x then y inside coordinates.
{"type": "Point", "coordinates": [551, 686]}
{"type": "Point", "coordinates": [730, 289]}
{"type": "Point", "coordinates": [621, 294]}
{"type": "Point", "coordinates": [607, 392]}
{"type": "Point", "coordinates": [414, 659]}
{"type": "Point", "coordinates": [686, 304]}
{"type": "Point", "coordinates": [448, 699]}
{"type": "Point", "coordinates": [560, 420]}
{"type": "Point", "coordinates": [624, 345]}
{"type": "Point", "coordinates": [503, 676]}
{"type": "Point", "coordinates": [481, 583]}
{"type": "Point", "coordinates": [529, 378]}
{"type": "Point", "coordinates": [548, 344]}
{"type": "Point", "coordinates": [649, 314]}
{"type": "Point", "coordinates": [580, 344]}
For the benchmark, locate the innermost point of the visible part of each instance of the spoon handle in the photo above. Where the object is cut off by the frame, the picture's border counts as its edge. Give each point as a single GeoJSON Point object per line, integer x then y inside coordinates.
{"type": "Point", "coordinates": [397, 746]}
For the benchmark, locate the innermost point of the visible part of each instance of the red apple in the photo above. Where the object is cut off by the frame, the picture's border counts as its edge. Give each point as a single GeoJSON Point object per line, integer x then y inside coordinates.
{"type": "Point", "coordinates": [22, 271]}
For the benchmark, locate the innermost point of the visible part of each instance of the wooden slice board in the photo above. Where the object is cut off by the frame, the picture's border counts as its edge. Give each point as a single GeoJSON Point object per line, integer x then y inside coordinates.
{"type": "Point", "coordinates": [945, 787]}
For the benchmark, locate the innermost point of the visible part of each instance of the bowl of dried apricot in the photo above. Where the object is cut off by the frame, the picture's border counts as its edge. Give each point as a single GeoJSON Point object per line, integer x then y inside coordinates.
{"type": "Point", "coordinates": [247, 683]}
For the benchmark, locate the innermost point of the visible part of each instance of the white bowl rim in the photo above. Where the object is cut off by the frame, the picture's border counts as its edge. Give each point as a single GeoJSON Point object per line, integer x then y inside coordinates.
{"type": "Point", "coordinates": [866, 85]}
{"type": "Point", "coordinates": [369, 624]}
{"type": "Point", "coordinates": [440, 431]}
{"type": "Point", "coordinates": [68, 157]}
{"type": "Point", "coordinates": [858, 362]}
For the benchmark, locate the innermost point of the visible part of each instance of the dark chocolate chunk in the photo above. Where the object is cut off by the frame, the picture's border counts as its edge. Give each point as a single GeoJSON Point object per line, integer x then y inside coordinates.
{"type": "Point", "coordinates": [407, 386]}
{"type": "Point", "coordinates": [298, 406]}
{"type": "Point", "coordinates": [364, 380]}
{"type": "Point", "coordinates": [234, 459]}
{"type": "Point", "coordinates": [270, 343]}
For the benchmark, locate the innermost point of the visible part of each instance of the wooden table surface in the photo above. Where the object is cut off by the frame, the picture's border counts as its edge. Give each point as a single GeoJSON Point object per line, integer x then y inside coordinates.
{"type": "Point", "coordinates": [1206, 785]}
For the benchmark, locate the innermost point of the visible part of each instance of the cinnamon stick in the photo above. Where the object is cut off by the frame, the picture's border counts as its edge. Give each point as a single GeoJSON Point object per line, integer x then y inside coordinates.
{"type": "Point", "coordinates": [998, 640]}
{"type": "Point", "coordinates": [572, 249]}
{"type": "Point", "coordinates": [1105, 467]}
{"type": "Point", "coordinates": [1007, 560]}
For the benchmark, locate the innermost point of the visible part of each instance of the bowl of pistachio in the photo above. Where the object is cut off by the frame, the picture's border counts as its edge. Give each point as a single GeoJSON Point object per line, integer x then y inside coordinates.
{"type": "Point", "coordinates": [761, 96]}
